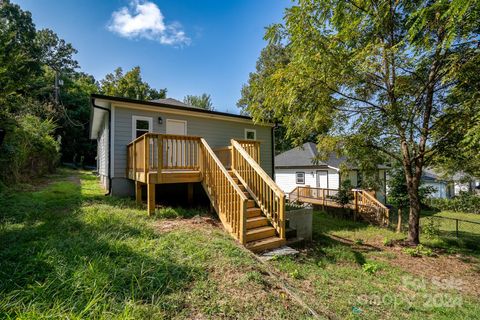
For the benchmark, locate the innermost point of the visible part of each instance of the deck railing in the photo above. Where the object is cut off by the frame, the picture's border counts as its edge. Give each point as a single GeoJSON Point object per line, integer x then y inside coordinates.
{"type": "Point", "coordinates": [224, 154]}
{"type": "Point", "coordinates": [363, 203]}
{"type": "Point", "coordinates": [154, 152]}
{"type": "Point", "coordinates": [322, 196]}
{"type": "Point", "coordinates": [252, 147]}
{"type": "Point", "coordinates": [225, 195]}
{"type": "Point", "coordinates": [264, 190]}
{"type": "Point", "coordinates": [368, 206]}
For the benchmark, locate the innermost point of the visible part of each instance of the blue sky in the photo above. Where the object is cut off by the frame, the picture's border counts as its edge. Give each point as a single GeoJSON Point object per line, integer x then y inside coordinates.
{"type": "Point", "coordinates": [199, 46]}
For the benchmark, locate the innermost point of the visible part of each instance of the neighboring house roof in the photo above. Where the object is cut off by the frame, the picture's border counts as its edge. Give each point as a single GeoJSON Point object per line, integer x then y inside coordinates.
{"type": "Point", "coordinates": [305, 155]}
{"type": "Point", "coordinates": [429, 174]}
{"type": "Point", "coordinates": [172, 102]}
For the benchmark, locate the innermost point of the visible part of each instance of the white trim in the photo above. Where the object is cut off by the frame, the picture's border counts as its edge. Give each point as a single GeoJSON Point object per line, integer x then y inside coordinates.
{"type": "Point", "coordinates": [176, 120]}
{"type": "Point", "coordinates": [189, 113]}
{"type": "Point", "coordinates": [112, 142]}
{"type": "Point", "coordinates": [250, 130]}
{"type": "Point", "coordinates": [134, 124]}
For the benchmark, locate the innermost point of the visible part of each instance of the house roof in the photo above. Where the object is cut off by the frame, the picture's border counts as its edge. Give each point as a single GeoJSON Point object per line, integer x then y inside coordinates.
{"type": "Point", "coordinates": [304, 156]}
{"type": "Point", "coordinates": [168, 103]}
{"type": "Point", "coordinates": [102, 104]}
{"type": "Point", "coordinates": [172, 102]}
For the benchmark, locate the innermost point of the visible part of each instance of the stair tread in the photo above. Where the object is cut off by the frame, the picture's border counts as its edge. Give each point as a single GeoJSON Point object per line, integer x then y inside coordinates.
{"type": "Point", "coordinates": [260, 230]}
{"type": "Point", "coordinates": [257, 218]}
{"type": "Point", "coordinates": [264, 242]}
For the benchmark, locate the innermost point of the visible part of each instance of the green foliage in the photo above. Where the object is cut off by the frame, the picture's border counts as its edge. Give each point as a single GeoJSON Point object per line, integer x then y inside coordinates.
{"type": "Point", "coordinates": [371, 79]}
{"type": "Point", "coordinates": [344, 194]}
{"type": "Point", "coordinates": [370, 267]}
{"type": "Point", "coordinates": [29, 150]}
{"type": "Point", "coordinates": [388, 242]}
{"type": "Point", "coordinates": [203, 102]}
{"type": "Point", "coordinates": [419, 251]}
{"type": "Point", "coordinates": [465, 202]}
{"type": "Point", "coordinates": [358, 241]}
{"type": "Point", "coordinates": [129, 85]}
{"type": "Point", "coordinates": [431, 228]}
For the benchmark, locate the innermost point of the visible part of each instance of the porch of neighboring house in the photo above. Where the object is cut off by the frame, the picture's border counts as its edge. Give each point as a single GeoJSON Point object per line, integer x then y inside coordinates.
{"type": "Point", "coordinates": [364, 204]}
{"type": "Point", "coordinates": [249, 204]}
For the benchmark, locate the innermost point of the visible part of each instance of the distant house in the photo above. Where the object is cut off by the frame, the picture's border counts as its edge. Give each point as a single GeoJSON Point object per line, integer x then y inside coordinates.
{"type": "Point", "coordinates": [449, 186]}
{"type": "Point", "coordinates": [297, 167]}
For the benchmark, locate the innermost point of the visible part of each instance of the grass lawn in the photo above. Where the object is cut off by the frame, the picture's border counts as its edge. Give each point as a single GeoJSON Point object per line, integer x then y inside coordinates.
{"type": "Point", "coordinates": [348, 272]}
{"type": "Point", "coordinates": [67, 251]}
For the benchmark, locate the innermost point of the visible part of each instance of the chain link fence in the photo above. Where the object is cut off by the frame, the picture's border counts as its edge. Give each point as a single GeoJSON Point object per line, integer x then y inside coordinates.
{"type": "Point", "coordinates": [453, 229]}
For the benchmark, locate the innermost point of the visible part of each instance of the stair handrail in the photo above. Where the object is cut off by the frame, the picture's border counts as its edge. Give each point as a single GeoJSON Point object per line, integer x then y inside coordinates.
{"type": "Point", "coordinates": [374, 204]}
{"type": "Point", "coordinates": [266, 193]}
{"type": "Point", "coordinates": [226, 197]}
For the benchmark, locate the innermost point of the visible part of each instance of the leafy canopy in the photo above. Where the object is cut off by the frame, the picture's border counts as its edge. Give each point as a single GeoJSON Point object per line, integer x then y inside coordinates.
{"type": "Point", "coordinates": [203, 101]}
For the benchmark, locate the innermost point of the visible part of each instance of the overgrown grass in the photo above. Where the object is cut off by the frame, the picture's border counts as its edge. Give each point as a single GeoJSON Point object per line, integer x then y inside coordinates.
{"type": "Point", "coordinates": [347, 273]}
{"type": "Point", "coordinates": [67, 251]}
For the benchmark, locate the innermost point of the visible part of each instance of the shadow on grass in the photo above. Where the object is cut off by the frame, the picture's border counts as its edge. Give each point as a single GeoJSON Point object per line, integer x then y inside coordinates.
{"type": "Point", "coordinates": [51, 256]}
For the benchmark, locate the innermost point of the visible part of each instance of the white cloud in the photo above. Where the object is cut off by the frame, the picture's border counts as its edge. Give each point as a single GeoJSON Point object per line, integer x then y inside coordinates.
{"type": "Point", "coordinates": [143, 19]}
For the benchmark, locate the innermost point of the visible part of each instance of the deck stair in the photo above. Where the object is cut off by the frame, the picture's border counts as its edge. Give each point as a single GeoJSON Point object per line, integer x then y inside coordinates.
{"type": "Point", "coordinates": [249, 204]}
{"type": "Point", "coordinates": [261, 235]}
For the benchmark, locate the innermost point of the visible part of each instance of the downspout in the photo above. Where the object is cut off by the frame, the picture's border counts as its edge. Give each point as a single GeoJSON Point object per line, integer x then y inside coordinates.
{"type": "Point", "coordinates": [109, 145]}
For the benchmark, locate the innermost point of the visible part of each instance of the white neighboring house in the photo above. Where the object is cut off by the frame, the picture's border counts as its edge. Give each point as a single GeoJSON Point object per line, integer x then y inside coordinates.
{"type": "Point", "coordinates": [448, 187]}
{"type": "Point", "coordinates": [296, 167]}
{"type": "Point", "coordinates": [443, 188]}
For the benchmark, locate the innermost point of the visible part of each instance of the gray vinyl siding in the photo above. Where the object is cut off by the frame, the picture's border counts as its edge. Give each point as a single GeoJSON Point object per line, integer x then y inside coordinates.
{"type": "Point", "coordinates": [217, 132]}
{"type": "Point", "coordinates": [102, 148]}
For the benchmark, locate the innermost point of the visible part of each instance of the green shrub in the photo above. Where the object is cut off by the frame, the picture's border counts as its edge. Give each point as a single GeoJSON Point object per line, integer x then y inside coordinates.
{"type": "Point", "coordinates": [370, 267]}
{"type": "Point", "coordinates": [387, 242]}
{"type": "Point", "coordinates": [430, 228]}
{"type": "Point", "coordinates": [29, 150]}
{"type": "Point", "coordinates": [465, 202]}
{"type": "Point", "coordinates": [419, 251]}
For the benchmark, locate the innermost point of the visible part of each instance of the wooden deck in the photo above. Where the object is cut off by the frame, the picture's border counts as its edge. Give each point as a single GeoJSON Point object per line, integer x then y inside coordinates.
{"type": "Point", "coordinates": [364, 204]}
{"type": "Point", "coordinates": [247, 201]}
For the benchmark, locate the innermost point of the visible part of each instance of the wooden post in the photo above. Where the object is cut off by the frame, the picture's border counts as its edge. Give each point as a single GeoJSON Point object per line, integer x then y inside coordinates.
{"type": "Point", "coordinates": [243, 222]}
{"type": "Point", "coordinates": [160, 158]}
{"type": "Point", "coordinates": [355, 197]}
{"type": "Point", "coordinates": [282, 217]}
{"type": "Point", "coordinates": [134, 161]}
{"type": "Point", "coordinates": [190, 193]}
{"type": "Point", "coordinates": [146, 156]}
{"type": "Point", "coordinates": [151, 198]}
{"type": "Point", "coordinates": [138, 192]}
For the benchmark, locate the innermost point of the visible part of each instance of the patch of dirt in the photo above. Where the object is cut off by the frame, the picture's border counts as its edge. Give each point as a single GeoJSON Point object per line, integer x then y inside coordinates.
{"type": "Point", "coordinates": [462, 271]}
{"type": "Point", "coordinates": [465, 276]}
{"type": "Point", "coordinates": [197, 222]}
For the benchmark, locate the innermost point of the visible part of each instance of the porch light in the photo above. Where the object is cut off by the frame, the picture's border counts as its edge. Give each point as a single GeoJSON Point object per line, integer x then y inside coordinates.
{"type": "Point", "coordinates": [160, 120]}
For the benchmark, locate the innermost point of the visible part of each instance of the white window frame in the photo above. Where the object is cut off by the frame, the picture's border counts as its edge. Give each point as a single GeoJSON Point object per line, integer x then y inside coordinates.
{"type": "Point", "coordinates": [254, 134]}
{"type": "Point", "coordinates": [296, 177]}
{"type": "Point", "coordinates": [134, 125]}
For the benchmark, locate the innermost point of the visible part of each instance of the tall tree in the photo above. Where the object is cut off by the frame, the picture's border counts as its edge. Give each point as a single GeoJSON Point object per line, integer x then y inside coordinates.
{"type": "Point", "coordinates": [203, 102]}
{"type": "Point", "coordinates": [129, 85]}
{"type": "Point", "coordinates": [375, 74]}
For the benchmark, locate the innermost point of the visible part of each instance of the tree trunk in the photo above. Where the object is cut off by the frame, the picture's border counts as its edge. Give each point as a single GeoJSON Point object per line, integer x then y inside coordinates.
{"type": "Point", "coordinates": [414, 218]}
{"type": "Point", "coordinates": [399, 220]}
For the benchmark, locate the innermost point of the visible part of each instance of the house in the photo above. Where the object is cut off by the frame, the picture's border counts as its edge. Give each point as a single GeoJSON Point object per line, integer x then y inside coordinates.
{"type": "Point", "coordinates": [446, 186]}
{"type": "Point", "coordinates": [297, 167]}
{"type": "Point", "coordinates": [442, 187]}
{"type": "Point", "coordinates": [144, 145]}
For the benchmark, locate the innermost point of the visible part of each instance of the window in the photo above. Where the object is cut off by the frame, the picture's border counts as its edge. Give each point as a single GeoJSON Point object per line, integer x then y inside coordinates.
{"type": "Point", "coordinates": [140, 126]}
{"type": "Point", "coordinates": [300, 177]}
{"type": "Point", "coordinates": [250, 134]}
